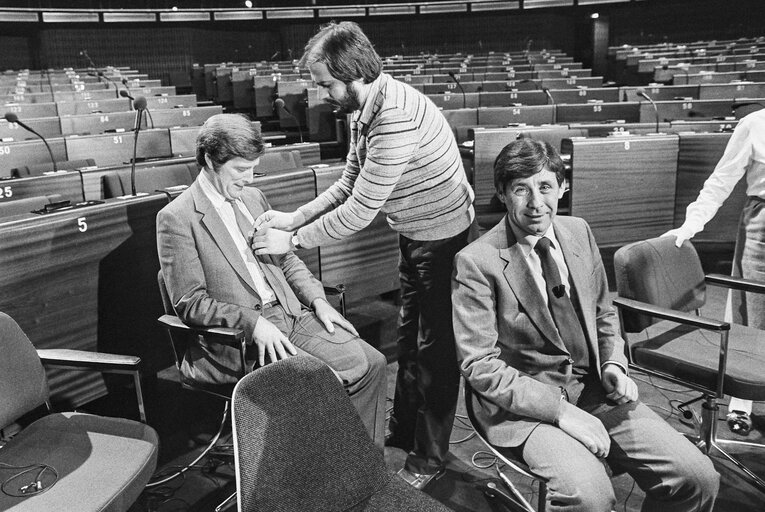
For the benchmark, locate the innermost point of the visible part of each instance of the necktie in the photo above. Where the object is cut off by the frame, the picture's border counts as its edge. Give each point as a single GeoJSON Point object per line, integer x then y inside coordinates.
{"type": "Point", "coordinates": [561, 308]}
{"type": "Point", "coordinates": [285, 297]}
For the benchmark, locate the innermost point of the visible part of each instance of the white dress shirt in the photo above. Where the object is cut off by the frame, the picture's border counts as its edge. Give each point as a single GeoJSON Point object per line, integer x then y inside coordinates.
{"type": "Point", "coordinates": [226, 214]}
{"type": "Point", "coordinates": [744, 154]}
{"type": "Point", "coordinates": [527, 243]}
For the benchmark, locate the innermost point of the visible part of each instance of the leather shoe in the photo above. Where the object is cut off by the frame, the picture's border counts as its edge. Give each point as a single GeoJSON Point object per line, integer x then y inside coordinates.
{"type": "Point", "coordinates": [419, 480]}
{"type": "Point", "coordinates": [739, 422]}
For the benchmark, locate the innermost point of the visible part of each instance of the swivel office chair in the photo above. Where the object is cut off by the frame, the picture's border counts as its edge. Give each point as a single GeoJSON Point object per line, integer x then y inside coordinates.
{"type": "Point", "coordinates": [659, 286]}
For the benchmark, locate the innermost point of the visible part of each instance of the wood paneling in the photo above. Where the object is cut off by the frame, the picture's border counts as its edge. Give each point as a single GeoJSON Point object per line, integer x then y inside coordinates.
{"type": "Point", "coordinates": [624, 187]}
{"type": "Point", "coordinates": [86, 279]}
{"type": "Point", "coordinates": [366, 262]}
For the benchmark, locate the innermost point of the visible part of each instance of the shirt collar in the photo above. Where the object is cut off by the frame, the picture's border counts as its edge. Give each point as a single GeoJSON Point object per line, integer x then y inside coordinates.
{"type": "Point", "coordinates": [528, 242]}
{"type": "Point", "coordinates": [374, 100]}
{"type": "Point", "coordinates": [215, 197]}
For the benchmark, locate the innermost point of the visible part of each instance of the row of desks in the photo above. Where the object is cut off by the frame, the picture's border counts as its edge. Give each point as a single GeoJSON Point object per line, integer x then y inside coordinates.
{"type": "Point", "coordinates": [103, 122]}
{"type": "Point", "coordinates": [27, 111]}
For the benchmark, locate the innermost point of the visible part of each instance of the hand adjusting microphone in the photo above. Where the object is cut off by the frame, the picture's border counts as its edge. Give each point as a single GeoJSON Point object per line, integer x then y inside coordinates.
{"type": "Point", "coordinates": [13, 118]}
{"type": "Point", "coordinates": [279, 104]}
{"type": "Point", "coordinates": [140, 105]}
{"type": "Point", "coordinates": [456, 81]}
{"type": "Point", "coordinates": [640, 91]}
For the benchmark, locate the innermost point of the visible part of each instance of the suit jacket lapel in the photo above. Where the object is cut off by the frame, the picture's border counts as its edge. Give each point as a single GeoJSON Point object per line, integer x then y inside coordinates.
{"type": "Point", "coordinates": [579, 274]}
{"type": "Point", "coordinates": [220, 235]}
{"type": "Point", "coordinates": [524, 287]}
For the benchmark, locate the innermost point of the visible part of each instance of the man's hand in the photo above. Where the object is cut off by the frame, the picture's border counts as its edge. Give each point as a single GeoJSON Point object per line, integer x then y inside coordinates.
{"type": "Point", "coordinates": [270, 340]}
{"type": "Point", "coordinates": [585, 428]}
{"type": "Point", "coordinates": [279, 220]}
{"type": "Point", "coordinates": [619, 387]}
{"type": "Point", "coordinates": [271, 241]}
{"type": "Point", "coordinates": [330, 316]}
{"type": "Point", "coordinates": [681, 234]}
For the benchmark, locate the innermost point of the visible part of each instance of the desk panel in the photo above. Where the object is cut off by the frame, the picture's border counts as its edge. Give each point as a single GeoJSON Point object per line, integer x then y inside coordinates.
{"type": "Point", "coordinates": [71, 108]}
{"type": "Point", "coordinates": [585, 94]}
{"type": "Point", "coordinates": [102, 94]}
{"type": "Point", "coordinates": [623, 186]}
{"type": "Point", "coordinates": [572, 82]}
{"type": "Point", "coordinates": [171, 101]}
{"type": "Point", "coordinates": [91, 124]}
{"type": "Point", "coordinates": [65, 183]}
{"type": "Point", "coordinates": [523, 114]}
{"type": "Point", "coordinates": [366, 262]}
{"type": "Point", "coordinates": [29, 152]}
{"type": "Point", "coordinates": [513, 98]}
{"type": "Point", "coordinates": [697, 158]}
{"type": "Point", "coordinates": [629, 112]}
{"type": "Point", "coordinates": [454, 100]}
{"type": "Point", "coordinates": [27, 111]}
{"type": "Point", "coordinates": [192, 116]}
{"type": "Point", "coordinates": [661, 92]}
{"type": "Point", "coordinates": [48, 127]}
{"type": "Point", "coordinates": [86, 279]}
{"type": "Point", "coordinates": [687, 109]}
{"type": "Point", "coordinates": [731, 91]}
{"type": "Point", "coordinates": [117, 148]}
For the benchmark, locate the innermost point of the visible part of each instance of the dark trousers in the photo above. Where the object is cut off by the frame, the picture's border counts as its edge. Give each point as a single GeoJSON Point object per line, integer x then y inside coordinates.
{"type": "Point", "coordinates": [428, 378]}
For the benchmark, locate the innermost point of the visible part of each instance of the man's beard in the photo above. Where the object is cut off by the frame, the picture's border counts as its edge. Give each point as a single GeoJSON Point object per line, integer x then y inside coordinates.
{"type": "Point", "coordinates": [348, 104]}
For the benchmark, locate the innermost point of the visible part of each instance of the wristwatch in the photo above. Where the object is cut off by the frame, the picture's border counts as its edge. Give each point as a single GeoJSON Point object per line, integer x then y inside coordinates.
{"type": "Point", "coordinates": [294, 240]}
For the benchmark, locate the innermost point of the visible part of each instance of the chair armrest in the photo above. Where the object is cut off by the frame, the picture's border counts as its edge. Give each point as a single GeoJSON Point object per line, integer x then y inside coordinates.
{"type": "Point", "coordinates": [736, 283]}
{"type": "Point", "coordinates": [224, 335]}
{"type": "Point", "coordinates": [337, 289]}
{"type": "Point", "coordinates": [97, 361]}
{"type": "Point", "coordinates": [89, 360]}
{"type": "Point", "coordinates": [670, 314]}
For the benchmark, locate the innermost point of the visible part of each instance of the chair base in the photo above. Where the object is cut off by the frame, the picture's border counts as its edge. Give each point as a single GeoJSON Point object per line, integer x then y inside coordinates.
{"type": "Point", "coordinates": [707, 441]}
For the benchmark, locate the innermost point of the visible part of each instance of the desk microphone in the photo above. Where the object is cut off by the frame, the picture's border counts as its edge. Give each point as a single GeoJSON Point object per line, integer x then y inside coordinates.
{"type": "Point", "coordinates": [140, 105]}
{"type": "Point", "coordinates": [110, 81]}
{"type": "Point", "coordinates": [279, 104]}
{"type": "Point", "coordinates": [552, 102]}
{"type": "Point", "coordinates": [126, 94]}
{"type": "Point", "coordinates": [640, 91]}
{"type": "Point", "coordinates": [456, 81]}
{"type": "Point", "coordinates": [13, 118]}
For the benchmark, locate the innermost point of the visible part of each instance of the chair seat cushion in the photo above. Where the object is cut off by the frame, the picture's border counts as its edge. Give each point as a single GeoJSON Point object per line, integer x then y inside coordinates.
{"type": "Point", "coordinates": [103, 463]}
{"type": "Point", "coordinates": [693, 354]}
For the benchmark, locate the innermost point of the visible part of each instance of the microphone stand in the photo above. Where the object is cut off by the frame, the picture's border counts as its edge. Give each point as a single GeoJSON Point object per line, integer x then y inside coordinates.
{"type": "Point", "coordinates": [140, 106]}
{"type": "Point", "coordinates": [641, 92]}
{"type": "Point", "coordinates": [454, 77]}
{"type": "Point", "coordinates": [279, 103]}
{"type": "Point", "coordinates": [552, 102]}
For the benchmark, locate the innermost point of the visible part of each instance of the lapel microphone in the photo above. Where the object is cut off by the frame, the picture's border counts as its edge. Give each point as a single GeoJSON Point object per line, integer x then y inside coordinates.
{"type": "Point", "coordinates": [559, 290]}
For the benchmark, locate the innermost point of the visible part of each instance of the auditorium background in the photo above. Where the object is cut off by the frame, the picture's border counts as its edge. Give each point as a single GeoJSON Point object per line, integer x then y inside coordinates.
{"type": "Point", "coordinates": [85, 276]}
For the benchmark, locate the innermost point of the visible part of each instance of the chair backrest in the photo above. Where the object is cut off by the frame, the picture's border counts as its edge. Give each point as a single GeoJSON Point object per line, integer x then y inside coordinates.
{"type": "Point", "coordinates": [279, 160]}
{"type": "Point", "coordinates": [299, 444]}
{"type": "Point", "coordinates": [147, 179]}
{"type": "Point", "coordinates": [178, 341]}
{"type": "Point", "coordinates": [656, 272]}
{"type": "Point", "coordinates": [23, 385]}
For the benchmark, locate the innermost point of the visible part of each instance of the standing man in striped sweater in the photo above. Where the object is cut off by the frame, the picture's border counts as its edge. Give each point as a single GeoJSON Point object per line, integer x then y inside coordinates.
{"type": "Point", "coordinates": [403, 161]}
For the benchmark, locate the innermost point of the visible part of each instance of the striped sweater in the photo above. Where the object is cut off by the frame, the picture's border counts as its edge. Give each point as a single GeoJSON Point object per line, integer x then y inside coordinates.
{"type": "Point", "coordinates": [404, 161]}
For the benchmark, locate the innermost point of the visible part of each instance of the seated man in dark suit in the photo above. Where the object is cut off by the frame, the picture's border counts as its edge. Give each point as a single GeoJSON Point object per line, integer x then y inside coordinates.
{"type": "Point", "coordinates": [539, 343]}
{"type": "Point", "coordinates": [214, 279]}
